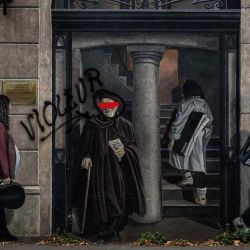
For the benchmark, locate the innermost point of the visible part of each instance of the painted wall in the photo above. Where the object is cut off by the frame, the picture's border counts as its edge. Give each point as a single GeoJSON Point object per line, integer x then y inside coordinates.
{"type": "Point", "coordinates": [25, 48]}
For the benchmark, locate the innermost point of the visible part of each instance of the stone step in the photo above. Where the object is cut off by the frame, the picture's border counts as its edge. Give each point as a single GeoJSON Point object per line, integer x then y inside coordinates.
{"type": "Point", "coordinates": [173, 192]}
{"type": "Point", "coordinates": [168, 106]}
{"type": "Point", "coordinates": [210, 153]}
{"type": "Point", "coordinates": [214, 143]}
{"type": "Point", "coordinates": [183, 208]}
{"type": "Point", "coordinates": [162, 129]}
{"type": "Point", "coordinates": [166, 112]}
{"type": "Point", "coordinates": [168, 170]}
{"type": "Point", "coordinates": [212, 165]}
{"type": "Point", "coordinates": [164, 120]}
{"type": "Point", "coordinates": [212, 179]}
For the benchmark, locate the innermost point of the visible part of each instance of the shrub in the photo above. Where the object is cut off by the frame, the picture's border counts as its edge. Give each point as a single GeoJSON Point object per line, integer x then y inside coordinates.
{"type": "Point", "coordinates": [149, 238]}
{"type": "Point", "coordinates": [65, 239]}
{"type": "Point", "coordinates": [228, 238]}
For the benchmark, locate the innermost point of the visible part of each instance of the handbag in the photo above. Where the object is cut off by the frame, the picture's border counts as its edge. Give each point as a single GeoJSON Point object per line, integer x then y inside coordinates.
{"type": "Point", "coordinates": [12, 196]}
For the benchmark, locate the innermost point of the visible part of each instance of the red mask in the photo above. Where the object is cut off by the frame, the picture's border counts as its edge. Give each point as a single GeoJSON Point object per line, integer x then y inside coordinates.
{"type": "Point", "coordinates": [108, 105]}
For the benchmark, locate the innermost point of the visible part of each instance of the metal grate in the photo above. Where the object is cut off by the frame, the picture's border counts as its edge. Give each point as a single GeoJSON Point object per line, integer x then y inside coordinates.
{"type": "Point", "coordinates": [147, 4]}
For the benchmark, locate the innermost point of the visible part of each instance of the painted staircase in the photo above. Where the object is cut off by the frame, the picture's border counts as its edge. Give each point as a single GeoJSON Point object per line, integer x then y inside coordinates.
{"type": "Point", "coordinates": [178, 202]}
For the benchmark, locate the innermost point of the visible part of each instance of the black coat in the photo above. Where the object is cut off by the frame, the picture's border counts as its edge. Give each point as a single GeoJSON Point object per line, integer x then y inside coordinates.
{"type": "Point", "coordinates": [116, 188]}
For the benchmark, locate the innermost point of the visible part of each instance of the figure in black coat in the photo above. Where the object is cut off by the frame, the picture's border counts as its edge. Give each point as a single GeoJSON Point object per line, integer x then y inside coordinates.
{"type": "Point", "coordinates": [115, 189]}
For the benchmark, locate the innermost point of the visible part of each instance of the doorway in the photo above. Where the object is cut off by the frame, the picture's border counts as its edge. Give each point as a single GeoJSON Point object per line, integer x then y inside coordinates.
{"type": "Point", "coordinates": [209, 58]}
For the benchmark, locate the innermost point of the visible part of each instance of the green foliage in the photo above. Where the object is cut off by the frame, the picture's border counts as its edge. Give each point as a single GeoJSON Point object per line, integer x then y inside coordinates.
{"type": "Point", "coordinates": [237, 238]}
{"type": "Point", "coordinates": [149, 238]}
{"type": "Point", "coordinates": [229, 238]}
{"type": "Point", "coordinates": [65, 239]}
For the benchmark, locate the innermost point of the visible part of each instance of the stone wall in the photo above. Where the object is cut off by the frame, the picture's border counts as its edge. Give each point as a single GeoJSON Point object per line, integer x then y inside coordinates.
{"type": "Point", "coordinates": [245, 98]}
{"type": "Point", "coordinates": [25, 49]}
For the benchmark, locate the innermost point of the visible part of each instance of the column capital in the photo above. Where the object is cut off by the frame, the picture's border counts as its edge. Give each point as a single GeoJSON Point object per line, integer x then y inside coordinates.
{"type": "Point", "coordinates": [146, 53]}
{"type": "Point", "coordinates": [146, 48]}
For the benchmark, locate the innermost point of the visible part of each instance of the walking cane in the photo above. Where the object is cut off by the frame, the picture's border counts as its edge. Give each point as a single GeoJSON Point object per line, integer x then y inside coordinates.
{"type": "Point", "coordinates": [86, 201]}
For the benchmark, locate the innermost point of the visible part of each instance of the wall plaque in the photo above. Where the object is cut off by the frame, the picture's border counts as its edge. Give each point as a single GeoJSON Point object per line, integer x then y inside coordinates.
{"type": "Point", "coordinates": [21, 92]}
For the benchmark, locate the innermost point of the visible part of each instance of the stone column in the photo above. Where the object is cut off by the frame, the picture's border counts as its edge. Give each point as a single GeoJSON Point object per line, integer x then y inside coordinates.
{"type": "Point", "coordinates": [146, 121]}
{"type": "Point", "coordinates": [244, 100]}
{"type": "Point", "coordinates": [45, 94]}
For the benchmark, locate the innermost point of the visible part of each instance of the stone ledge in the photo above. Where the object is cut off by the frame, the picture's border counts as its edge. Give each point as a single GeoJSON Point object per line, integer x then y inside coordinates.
{"type": "Point", "coordinates": [32, 190]}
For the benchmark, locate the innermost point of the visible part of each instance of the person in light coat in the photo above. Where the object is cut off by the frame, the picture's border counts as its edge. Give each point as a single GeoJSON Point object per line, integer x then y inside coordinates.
{"type": "Point", "coordinates": [194, 100]}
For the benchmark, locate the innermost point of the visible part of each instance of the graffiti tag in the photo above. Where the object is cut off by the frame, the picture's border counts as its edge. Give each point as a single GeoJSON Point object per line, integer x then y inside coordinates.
{"type": "Point", "coordinates": [93, 78]}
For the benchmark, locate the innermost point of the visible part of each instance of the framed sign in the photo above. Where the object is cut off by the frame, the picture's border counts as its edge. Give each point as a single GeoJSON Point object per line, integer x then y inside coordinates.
{"type": "Point", "coordinates": [21, 92]}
